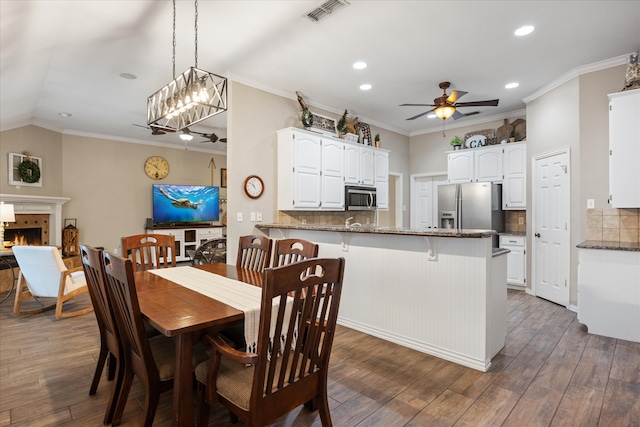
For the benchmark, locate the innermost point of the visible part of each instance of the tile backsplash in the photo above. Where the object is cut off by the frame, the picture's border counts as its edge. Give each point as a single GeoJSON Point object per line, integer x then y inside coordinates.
{"type": "Point", "coordinates": [325, 218]}
{"type": "Point", "coordinates": [613, 225]}
{"type": "Point", "coordinates": [515, 221]}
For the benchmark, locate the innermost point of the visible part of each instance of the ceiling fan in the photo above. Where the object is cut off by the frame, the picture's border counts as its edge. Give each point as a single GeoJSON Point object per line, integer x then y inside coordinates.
{"type": "Point", "coordinates": [155, 130]}
{"type": "Point", "coordinates": [446, 106]}
{"type": "Point", "coordinates": [211, 137]}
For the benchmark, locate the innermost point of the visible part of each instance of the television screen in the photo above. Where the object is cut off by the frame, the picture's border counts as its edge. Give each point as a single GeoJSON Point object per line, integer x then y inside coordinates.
{"type": "Point", "coordinates": [185, 203]}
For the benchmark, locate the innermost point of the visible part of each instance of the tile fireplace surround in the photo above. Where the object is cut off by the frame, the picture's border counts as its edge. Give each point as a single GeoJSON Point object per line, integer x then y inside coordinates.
{"type": "Point", "coordinates": [52, 206]}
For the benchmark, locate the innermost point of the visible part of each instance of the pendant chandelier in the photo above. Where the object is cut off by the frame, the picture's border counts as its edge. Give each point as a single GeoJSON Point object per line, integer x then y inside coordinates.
{"type": "Point", "coordinates": [191, 97]}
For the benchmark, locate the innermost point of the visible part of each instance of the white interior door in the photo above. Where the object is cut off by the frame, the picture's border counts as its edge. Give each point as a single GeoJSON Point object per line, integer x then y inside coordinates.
{"type": "Point", "coordinates": [551, 203]}
{"type": "Point", "coordinates": [424, 201]}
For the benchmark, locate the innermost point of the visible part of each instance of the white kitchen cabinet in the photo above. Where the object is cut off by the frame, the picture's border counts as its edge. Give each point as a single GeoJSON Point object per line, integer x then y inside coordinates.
{"type": "Point", "coordinates": [514, 185]}
{"type": "Point", "coordinates": [382, 178]}
{"type": "Point", "coordinates": [516, 259]}
{"type": "Point", "coordinates": [332, 174]}
{"type": "Point", "coordinates": [475, 165]}
{"type": "Point", "coordinates": [188, 238]}
{"type": "Point", "coordinates": [359, 165]}
{"type": "Point", "coordinates": [461, 165]}
{"type": "Point", "coordinates": [624, 149]}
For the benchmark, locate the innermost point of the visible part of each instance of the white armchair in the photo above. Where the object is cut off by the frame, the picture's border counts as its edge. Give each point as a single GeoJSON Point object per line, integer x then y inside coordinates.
{"type": "Point", "coordinates": [43, 273]}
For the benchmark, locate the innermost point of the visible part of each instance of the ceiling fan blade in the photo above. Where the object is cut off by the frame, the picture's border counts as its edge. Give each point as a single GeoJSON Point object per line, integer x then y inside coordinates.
{"type": "Point", "coordinates": [417, 105]}
{"type": "Point", "coordinates": [458, 115]}
{"type": "Point", "coordinates": [420, 115]}
{"type": "Point", "coordinates": [223, 140]}
{"type": "Point", "coordinates": [489, 103]}
{"type": "Point", "coordinates": [455, 95]}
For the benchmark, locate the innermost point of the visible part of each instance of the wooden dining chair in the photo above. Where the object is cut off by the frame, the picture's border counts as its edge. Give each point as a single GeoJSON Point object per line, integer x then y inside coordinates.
{"type": "Point", "coordinates": [110, 345]}
{"type": "Point", "coordinates": [150, 251]}
{"type": "Point", "coordinates": [152, 360]}
{"type": "Point", "coordinates": [254, 252]}
{"type": "Point", "coordinates": [284, 373]}
{"type": "Point", "coordinates": [43, 273]}
{"type": "Point", "coordinates": [287, 251]}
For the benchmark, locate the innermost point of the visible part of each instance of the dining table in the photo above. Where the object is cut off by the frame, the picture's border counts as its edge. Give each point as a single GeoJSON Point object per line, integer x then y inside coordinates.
{"type": "Point", "coordinates": [184, 314]}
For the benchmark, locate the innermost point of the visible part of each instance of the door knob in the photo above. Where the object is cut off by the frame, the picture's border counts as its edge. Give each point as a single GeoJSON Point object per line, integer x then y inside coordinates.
{"type": "Point", "coordinates": [537, 234]}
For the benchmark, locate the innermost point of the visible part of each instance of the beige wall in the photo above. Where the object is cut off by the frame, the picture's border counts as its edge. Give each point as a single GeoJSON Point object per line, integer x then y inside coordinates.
{"type": "Point", "coordinates": [110, 193]}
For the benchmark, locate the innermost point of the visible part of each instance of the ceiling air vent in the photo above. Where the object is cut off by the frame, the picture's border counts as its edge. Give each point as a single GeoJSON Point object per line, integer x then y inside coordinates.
{"type": "Point", "coordinates": [325, 9]}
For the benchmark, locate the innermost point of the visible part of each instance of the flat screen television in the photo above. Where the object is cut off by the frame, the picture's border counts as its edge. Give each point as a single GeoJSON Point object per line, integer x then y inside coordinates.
{"type": "Point", "coordinates": [185, 204]}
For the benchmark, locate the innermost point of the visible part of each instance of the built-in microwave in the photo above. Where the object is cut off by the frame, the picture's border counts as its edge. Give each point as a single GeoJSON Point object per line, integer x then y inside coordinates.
{"type": "Point", "coordinates": [360, 198]}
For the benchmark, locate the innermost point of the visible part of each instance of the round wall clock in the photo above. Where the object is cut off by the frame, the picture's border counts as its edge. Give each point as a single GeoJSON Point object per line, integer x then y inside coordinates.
{"type": "Point", "coordinates": [253, 186]}
{"type": "Point", "coordinates": [156, 167]}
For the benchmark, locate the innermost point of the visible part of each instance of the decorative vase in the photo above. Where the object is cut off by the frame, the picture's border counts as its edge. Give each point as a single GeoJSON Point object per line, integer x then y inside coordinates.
{"type": "Point", "coordinates": [457, 146]}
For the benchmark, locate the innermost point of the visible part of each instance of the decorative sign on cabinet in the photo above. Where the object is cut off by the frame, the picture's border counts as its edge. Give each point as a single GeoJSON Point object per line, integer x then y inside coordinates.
{"type": "Point", "coordinates": [624, 149]}
{"type": "Point", "coordinates": [313, 170]}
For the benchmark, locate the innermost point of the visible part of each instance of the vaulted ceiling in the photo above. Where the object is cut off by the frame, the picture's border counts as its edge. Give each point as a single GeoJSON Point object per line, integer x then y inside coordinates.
{"type": "Point", "coordinates": [68, 56]}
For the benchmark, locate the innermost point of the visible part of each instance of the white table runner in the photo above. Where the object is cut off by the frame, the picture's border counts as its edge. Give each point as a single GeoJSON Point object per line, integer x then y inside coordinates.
{"type": "Point", "coordinates": [237, 294]}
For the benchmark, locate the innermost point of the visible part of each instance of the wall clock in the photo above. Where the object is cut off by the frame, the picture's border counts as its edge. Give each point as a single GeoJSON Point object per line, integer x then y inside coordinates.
{"type": "Point", "coordinates": [156, 167]}
{"type": "Point", "coordinates": [253, 186]}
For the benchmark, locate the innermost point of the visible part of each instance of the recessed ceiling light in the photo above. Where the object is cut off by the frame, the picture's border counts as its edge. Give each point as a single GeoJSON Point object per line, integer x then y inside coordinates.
{"type": "Point", "coordinates": [128, 76]}
{"type": "Point", "coordinates": [524, 30]}
{"type": "Point", "coordinates": [431, 116]}
{"type": "Point", "coordinates": [512, 85]}
{"type": "Point", "coordinates": [365, 86]}
{"type": "Point", "coordinates": [65, 115]}
{"type": "Point", "coordinates": [359, 65]}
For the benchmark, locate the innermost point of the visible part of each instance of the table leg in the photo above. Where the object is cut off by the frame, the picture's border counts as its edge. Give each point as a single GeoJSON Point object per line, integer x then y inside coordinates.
{"type": "Point", "coordinates": [183, 382]}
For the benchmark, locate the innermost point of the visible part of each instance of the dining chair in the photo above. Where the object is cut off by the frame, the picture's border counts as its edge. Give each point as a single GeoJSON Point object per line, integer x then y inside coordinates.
{"type": "Point", "coordinates": [152, 360]}
{"type": "Point", "coordinates": [287, 251]}
{"type": "Point", "coordinates": [110, 345]}
{"type": "Point", "coordinates": [44, 274]}
{"type": "Point", "coordinates": [213, 250]}
{"type": "Point", "coordinates": [254, 252]}
{"type": "Point", "coordinates": [150, 251]}
{"type": "Point", "coordinates": [284, 373]}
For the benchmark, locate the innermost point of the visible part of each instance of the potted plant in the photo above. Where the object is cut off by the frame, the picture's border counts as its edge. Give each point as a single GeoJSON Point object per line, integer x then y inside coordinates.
{"type": "Point", "coordinates": [456, 142]}
{"type": "Point", "coordinates": [512, 136]}
{"type": "Point", "coordinates": [376, 139]}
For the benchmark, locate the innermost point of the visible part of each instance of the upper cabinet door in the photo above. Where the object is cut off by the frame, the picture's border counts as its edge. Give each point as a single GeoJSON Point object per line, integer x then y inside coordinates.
{"type": "Point", "coordinates": [624, 149]}
{"type": "Point", "coordinates": [367, 169]}
{"type": "Point", "coordinates": [488, 165]}
{"type": "Point", "coordinates": [514, 186]}
{"type": "Point", "coordinates": [461, 167]}
{"type": "Point", "coordinates": [351, 164]}
{"type": "Point", "coordinates": [332, 174]}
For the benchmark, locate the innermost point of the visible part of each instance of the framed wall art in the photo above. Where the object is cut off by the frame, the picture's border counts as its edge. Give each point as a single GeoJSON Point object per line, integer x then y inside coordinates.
{"type": "Point", "coordinates": [223, 178]}
{"type": "Point", "coordinates": [323, 124]}
{"type": "Point", "coordinates": [25, 170]}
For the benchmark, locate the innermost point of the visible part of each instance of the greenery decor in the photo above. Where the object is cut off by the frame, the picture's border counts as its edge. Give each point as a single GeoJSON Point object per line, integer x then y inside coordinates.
{"type": "Point", "coordinates": [29, 171]}
{"type": "Point", "coordinates": [456, 140]}
{"type": "Point", "coordinates": [306, 118]}
{"type": "Point", "coordinates": [342, 124]}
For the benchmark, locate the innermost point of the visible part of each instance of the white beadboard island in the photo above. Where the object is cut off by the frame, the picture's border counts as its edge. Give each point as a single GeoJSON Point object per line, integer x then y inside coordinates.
{"type": "Point", "coordinates": [440, 292]}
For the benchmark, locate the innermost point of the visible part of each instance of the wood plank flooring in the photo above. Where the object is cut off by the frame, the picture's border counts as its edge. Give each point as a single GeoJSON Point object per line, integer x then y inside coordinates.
{"type": "Point", "coordinates": [550, 373]}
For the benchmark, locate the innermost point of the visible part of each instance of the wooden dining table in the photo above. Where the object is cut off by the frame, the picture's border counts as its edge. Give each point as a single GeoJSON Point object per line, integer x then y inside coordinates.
{"type": "Point", "coordinates": [184, 315]}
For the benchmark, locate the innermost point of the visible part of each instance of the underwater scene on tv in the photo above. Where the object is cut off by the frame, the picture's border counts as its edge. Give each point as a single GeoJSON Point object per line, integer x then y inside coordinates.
{"type": "Point", "coordinates": [185, 203]}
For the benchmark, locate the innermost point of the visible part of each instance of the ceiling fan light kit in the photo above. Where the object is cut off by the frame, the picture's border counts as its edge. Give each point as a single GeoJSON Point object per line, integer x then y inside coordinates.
{"type": "Point", "coordinates": [191, 97]}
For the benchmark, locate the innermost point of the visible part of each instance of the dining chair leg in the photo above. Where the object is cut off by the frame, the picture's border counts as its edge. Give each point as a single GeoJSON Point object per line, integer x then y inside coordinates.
{"type": "Point", "coordinates": [151, 399]}
{"type": "Point", "coordinates": [102, 357]}
{"type": "Point", "coordinates": [115, 392]}
{"type": "Point", "coordinates": [121, 399]}
{"type": "Point", "coordinates": [323, 410]}
{"type": "Point", "coordinates": [202, 408]}
{"type": "Point", "coordinates": [111, 367]}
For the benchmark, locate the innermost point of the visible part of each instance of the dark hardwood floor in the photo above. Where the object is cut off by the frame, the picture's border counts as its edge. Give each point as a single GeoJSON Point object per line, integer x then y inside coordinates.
{"type": "Point", "coordinates": [551, 372]}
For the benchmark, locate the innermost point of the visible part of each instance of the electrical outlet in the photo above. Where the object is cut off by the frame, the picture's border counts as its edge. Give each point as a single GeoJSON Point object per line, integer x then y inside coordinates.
{"type": "Point", "coordinates": [116, 251]}
{"type": "Point", "coordinates": [239, 217]}
{"type": "Point", "coordinates": [591, 204]}
{"type": "Point", "coordinates": [253, 217]}
{"type": "Point", "coordinates": [259, 216]}
{"type": "Point", "coordinates": [520, 221]}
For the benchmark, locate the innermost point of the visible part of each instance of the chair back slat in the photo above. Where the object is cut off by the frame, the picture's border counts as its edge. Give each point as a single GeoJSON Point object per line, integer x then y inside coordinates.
{"type": "Point", "coordinates": [303, 350]}
{"type": "Point", "coordinates": [121, 286]}
{"type": "Point", "coordinates": [150, 251]}
{"type": "Point", "coordinates": [288, 251]}
{"type": "Point", "coordinates": [254, 252]}
{"type": "Point", "coordinates": [41, 267]}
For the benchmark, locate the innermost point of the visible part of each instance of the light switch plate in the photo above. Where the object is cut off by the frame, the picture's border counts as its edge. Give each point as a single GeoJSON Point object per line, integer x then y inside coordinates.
{"type": "Point", "coordinates": [259, 216]}
{"type": "Point", "coordinates": [239, 217]}
{"type": "Point", "coordinates": [591, 204]}
{"type": "Point", "coordinates": [253, 217]}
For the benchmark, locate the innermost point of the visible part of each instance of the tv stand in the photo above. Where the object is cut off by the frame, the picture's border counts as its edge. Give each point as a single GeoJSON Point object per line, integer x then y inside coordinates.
{"type": "Point", "coordinates": [188, 237]}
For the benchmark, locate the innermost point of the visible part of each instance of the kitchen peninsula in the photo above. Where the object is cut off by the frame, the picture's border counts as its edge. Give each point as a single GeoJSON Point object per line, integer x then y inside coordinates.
{"type": "Point", "coordinates": [442, 292]}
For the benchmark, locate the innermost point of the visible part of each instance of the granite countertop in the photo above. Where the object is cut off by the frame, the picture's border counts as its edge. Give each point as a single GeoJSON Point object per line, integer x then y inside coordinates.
{"type": "Point", "coordinates": [612, 246]}
{"type": "Point", "coordinates": [433, 232]}
{"type": "Point", "coordinates": [500, 251]}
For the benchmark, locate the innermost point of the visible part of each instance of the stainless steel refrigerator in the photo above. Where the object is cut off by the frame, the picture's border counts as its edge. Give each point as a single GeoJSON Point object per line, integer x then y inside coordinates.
{"type": "Point", "coordinates": [476, 205]}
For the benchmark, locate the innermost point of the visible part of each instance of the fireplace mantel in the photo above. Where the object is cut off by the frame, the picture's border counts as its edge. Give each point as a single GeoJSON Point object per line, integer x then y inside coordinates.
{"type": "Point", "coordinates": [24, 204]}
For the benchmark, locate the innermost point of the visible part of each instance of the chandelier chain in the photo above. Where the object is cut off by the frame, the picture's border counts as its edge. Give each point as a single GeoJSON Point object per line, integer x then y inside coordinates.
{"type": "Point", "coordinates": [174, 40]}
{"type": "Point", "coordinates": [196, 31]}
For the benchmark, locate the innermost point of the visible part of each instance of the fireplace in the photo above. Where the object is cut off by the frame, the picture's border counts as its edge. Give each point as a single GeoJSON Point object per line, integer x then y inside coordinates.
{"type": "Point", "coordinates": [36, 212]}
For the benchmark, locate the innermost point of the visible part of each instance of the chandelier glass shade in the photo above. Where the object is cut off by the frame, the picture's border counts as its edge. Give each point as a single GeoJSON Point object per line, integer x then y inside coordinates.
{"type": "Point", "coordinates": [444, 111]}
{"type": "Point", "coordinates": [193, 96]}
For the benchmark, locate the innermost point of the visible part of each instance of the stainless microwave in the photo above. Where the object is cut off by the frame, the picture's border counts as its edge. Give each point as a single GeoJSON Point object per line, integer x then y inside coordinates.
{"type": "Point", "coordinates": [360, 198]}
